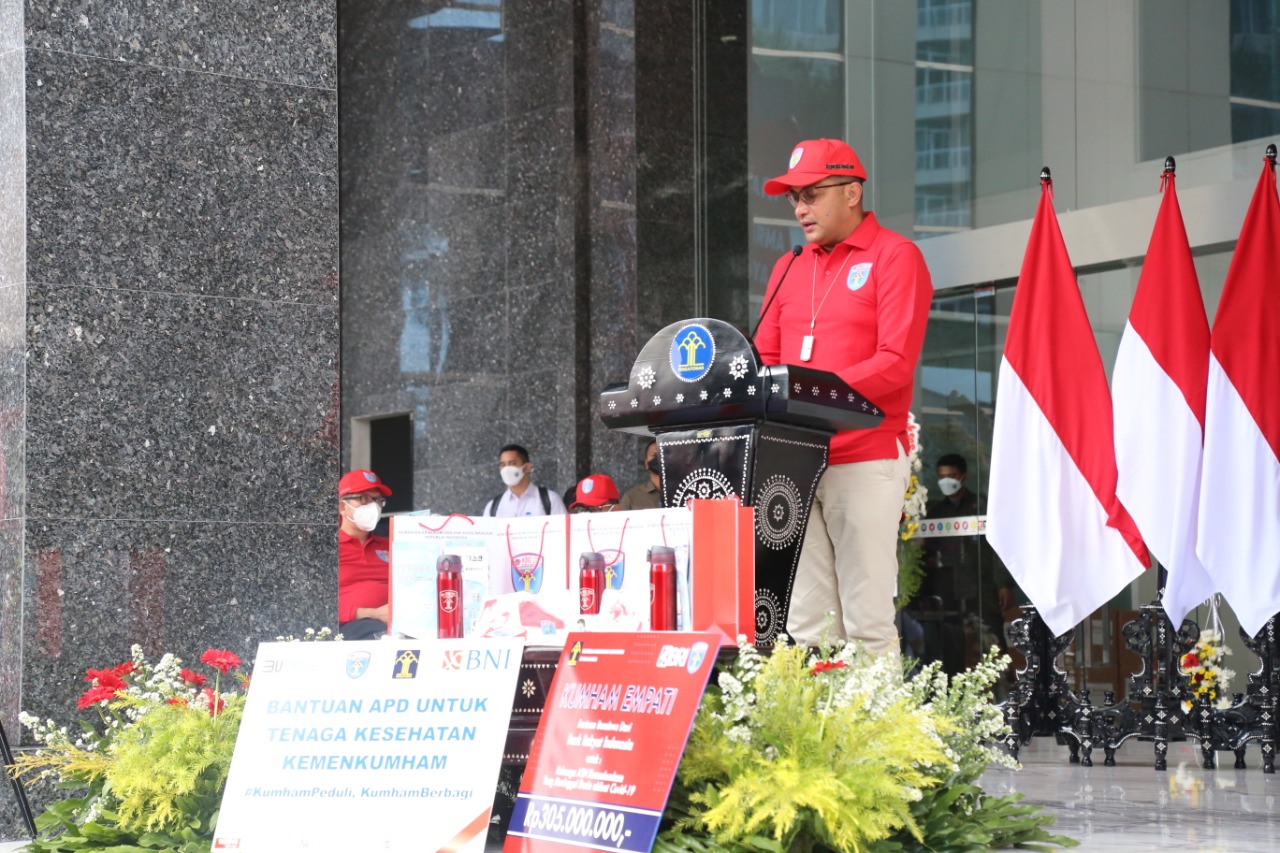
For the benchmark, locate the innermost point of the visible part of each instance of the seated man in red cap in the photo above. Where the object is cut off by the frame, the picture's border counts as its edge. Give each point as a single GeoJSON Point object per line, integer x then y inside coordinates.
{"type": "Point", "coordinates": [596, 493]}
{"type": "Point", "coordinates": [862, 317]}
{"type": "Point", "coordinates": [364, 560]}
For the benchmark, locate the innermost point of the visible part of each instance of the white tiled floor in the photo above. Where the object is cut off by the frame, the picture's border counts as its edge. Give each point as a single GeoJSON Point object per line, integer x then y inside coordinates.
{"type": "Point", "coordinates": [1132, 808]}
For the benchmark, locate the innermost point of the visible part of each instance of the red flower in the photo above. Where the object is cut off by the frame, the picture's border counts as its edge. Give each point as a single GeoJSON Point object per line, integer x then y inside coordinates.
{"type": "Point", "coordinates": [94, 695]}
{"type": "Point", "coordinates": [215, 701]}
{"type": "Point", "coordinates": [1189, 660]}
{"type": "Point", "coordinates": [221, 660]}
{"type": "Point", "coordinates": [126, 668]}
{"type": "Point", "coordinates": [195, 679]}
{"type": "Point", "coordinates": [105, 678]}
{"type": "Point", "coordinates": [177, 700]}
{"type": "Point", "coordinates": [825, 665]}
{"type": "Point", "coordinates": [1197, 678]}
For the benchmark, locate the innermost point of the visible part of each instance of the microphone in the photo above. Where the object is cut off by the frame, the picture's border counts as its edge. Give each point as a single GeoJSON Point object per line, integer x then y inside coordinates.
{"type": "Point", "coordinates": [795, 253]}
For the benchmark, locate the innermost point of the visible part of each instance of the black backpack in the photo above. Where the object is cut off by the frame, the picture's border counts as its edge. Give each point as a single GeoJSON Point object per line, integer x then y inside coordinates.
{"type": "Point", "coordinates": [542, 493]}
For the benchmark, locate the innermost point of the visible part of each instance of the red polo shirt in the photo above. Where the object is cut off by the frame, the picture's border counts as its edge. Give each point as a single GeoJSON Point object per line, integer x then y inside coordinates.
{"type": "Point", "coordinates": [868, 299]}
{"type": "Point", "coordinates": [364, 574]}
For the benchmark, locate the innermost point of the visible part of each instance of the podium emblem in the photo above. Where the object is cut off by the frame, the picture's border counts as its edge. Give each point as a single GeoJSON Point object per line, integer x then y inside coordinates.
{"type": "Point", "coordinates": [693, 351]}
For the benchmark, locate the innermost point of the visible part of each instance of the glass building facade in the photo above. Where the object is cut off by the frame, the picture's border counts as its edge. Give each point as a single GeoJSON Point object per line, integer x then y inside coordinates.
{"type": "Point", "coordinates": [531, 190]}
{"type": "Point", "coordinates": [989, 91]}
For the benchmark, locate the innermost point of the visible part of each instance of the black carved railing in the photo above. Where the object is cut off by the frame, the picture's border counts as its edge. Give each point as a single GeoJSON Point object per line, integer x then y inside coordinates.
{"type": "Point", "coordinates": [1041, 703]}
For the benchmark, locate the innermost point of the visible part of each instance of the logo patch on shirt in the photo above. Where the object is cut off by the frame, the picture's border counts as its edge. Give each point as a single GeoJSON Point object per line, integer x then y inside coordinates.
{"type": "Point", "coordinates": [384, 556]}
{"type": "Point", "coordinates": [858, 275]}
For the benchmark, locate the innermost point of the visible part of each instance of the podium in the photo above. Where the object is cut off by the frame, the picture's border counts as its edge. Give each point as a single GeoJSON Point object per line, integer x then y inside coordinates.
{"type": "Point", "coordinates": [728, 426]}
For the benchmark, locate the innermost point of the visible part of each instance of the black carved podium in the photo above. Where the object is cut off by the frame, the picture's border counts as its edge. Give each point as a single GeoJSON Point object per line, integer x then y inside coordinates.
{"type": "Point", "coordinates": [727, 425]}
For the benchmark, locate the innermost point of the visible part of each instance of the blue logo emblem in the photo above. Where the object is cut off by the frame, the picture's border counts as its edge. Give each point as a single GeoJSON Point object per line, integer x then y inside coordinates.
{"type": "Point", "coordinates": [357, 664]}
{"type": "Point", "coordinates": [858, 276]}
{"type": "Point", "coordinates": [384, 556]}
{"type": "Point", "coordinates": [697, 654]}
{"type": "Point", "coordinates": [526, 573]}
{"type": "Point", "coordinates": [615, 569]}
{"type": "Point", "coordinates": [370, 476]}
{"type": "Point", "coordinates": [693, 351]}
{"type": "Point", "coordinates": [406, 664]}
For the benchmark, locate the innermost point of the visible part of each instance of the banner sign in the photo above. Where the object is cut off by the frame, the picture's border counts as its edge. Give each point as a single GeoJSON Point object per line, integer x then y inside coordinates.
{"type": "Point", "coordinates": [964, 525]}
{"type": "Point", "coordinates": [389, 745]}
{"type": "Point", "coordinates": [613, 730]}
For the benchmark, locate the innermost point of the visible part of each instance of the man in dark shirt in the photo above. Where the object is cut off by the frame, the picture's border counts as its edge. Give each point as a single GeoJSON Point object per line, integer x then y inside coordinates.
{"type": "Point", "coordinates": [963, 573]}
{"type": "Point", "coordinates": [645, 495]}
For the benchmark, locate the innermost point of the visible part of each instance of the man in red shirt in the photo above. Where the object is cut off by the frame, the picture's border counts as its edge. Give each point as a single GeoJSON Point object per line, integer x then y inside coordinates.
{"type": "Point", "coordinates": [364, 560]}
{"type": "Point", "coordinates": [855, 303]}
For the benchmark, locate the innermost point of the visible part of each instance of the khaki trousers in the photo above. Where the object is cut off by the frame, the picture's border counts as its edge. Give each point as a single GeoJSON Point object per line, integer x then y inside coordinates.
{"type": "Point", "coordinates": [847, 575]}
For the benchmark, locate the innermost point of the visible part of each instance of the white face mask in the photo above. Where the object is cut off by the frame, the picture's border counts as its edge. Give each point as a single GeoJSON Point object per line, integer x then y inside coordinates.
{"type": "Point", "coordinates": [949, 486]}
{"type": "Point", "coordinates": [366, 517]}
{"type": "Point", "coordinates": [511, 475]}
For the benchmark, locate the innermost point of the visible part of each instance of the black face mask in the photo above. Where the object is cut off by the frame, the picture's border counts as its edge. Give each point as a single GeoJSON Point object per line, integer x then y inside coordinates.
{"type": "Point", "coordinates": [654, 466]}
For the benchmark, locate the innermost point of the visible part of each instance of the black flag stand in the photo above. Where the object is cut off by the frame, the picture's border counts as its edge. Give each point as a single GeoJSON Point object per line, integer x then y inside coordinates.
{"type": "Point", "coordinates": [24, 805]}
{"type": "Point", "coordinates": [1041, 703]}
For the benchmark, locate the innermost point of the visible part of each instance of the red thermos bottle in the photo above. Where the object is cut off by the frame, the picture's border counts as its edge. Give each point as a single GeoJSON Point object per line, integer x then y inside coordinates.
{"type": "Point", "coordinates": [590, 582]}
{"type": "Point", "coordinates": [449, 597]}
{"type": "Point", "coordinates": [662, 588]}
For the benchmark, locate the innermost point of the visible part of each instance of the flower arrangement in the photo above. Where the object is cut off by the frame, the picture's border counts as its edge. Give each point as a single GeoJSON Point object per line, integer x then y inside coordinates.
{"type": "Point", "coordinates": [1208, 679]}
{"type": "Point", "coordinates": [915, 501]}
{"type": "Point", "coordinates": [152, 768]}
{"type": "Point", "coordinates": [838, 751]}
{"type": "Point", "coordinates": [917, 496]}
{"type": "Point", "coordinates": [149, 772]}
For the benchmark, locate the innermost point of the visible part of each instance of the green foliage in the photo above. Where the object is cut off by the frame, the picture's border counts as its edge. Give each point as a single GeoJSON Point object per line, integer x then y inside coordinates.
{"type": "Point", "coordinates": [170, 767]}
{"type": "Point", "coordinates": [806, 759]}
{"type": "Point", "coordinates": [961, 817]}
{"type": "Point", "coordinates": [149, 775]}
{"type": "Point", "coordinates": [63, 829]}
{"type": "Point", "coordinates": [910, 570]}
{"type": "Point", "coordinates": [790, 755]}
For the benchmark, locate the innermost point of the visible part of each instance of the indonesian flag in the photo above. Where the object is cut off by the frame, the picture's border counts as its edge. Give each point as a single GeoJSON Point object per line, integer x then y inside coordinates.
{"type": "Point", "coordinates": [1158, 393]}
{"type": "Point", "coordinates": [1239, 531]}
{"type": "Point", "coordinates": [1052, 514]}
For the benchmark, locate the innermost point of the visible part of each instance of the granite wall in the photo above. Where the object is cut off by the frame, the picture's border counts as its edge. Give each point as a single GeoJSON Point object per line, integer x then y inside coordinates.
{"type": "Point", "coordinates": [12, 375]}
{"type": "Point", "coordinates": [168, 406]}
{"type": "Point", "coordinates": [530, 189]}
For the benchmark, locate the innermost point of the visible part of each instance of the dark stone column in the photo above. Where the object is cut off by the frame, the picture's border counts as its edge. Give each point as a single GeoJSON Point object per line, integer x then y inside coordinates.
{"type": "Point", "coordinates": [172, 329]}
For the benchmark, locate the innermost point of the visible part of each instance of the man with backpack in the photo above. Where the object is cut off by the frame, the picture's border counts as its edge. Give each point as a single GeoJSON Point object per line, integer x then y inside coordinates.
{"type": "Point", "coordinates": [522, 497]}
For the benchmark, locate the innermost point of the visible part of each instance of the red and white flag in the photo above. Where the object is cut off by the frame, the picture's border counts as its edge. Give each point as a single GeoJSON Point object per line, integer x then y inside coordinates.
{"type": "Point", "coordinates": [1158, 397]}
{"type": "Point", "coordinates": [1052, 512]}
{"type": "Point", "coordinates": [1239, 532]}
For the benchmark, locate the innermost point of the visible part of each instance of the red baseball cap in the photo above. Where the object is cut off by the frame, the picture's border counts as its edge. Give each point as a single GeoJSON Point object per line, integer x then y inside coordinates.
{"type": "Point", "coordinates": [354, 482]}
{"type": "Point", "coordinates": [596, 490]}
{"type": "Point", "coordinates": [813, 160]}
